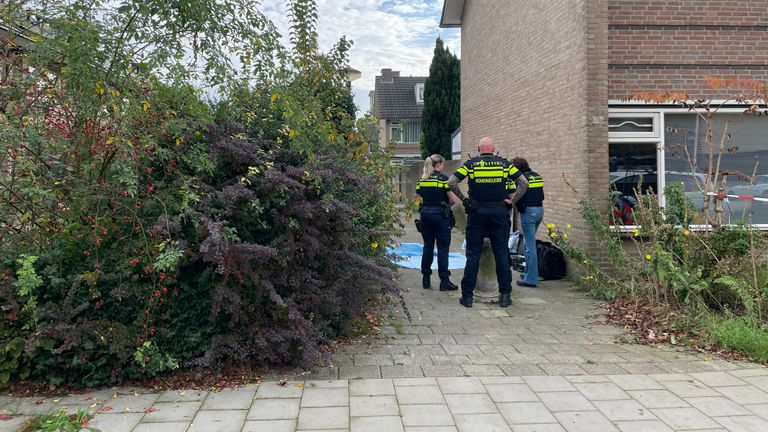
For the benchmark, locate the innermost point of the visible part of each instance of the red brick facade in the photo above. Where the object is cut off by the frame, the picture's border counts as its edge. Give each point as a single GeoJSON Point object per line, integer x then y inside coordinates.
{"type": "Point", "coordinates": [675, 45]}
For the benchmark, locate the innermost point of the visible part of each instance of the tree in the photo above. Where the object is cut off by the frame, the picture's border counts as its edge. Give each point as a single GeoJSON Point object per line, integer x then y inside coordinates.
{"type": "Point", "coordinates": [442, 102]}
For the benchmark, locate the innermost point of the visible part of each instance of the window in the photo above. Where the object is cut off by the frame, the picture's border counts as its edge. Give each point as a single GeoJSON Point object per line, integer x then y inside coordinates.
{"type": "Point", "coordinates": [419, 93]}
{"type": "Point", "coordinates": [746, 152]}
{"type": "Point", "coordinates": [395, 133]}
{"type": "Point", "coordinates": [633, 168]}
{"type": "Point", "coordinates": [633, 125]}
{"type": "Point", "coordinates": [411, 131]}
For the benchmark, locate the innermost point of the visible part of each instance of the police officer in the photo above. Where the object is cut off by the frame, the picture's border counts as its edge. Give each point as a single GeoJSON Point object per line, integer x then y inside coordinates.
{"type": "Point", "coordinates": [435, 222]}
{"type": "Point", "coordinates": [531, 209]}
{"type": "Point", "coordinates": [490, 183]}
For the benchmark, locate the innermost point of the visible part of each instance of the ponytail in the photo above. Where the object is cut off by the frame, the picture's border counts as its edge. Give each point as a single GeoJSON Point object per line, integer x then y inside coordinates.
{"type": "Point", "coordinates": [429, 165]}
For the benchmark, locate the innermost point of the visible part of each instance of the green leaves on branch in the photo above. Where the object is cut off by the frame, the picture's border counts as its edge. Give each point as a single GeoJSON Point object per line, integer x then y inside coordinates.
{"type": "Point", "coordinates": [27, 281]}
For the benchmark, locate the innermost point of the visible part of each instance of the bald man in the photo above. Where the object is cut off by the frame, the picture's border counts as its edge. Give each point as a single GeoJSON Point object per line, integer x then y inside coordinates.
{"type": "Point", "coordinates": [490, 192]}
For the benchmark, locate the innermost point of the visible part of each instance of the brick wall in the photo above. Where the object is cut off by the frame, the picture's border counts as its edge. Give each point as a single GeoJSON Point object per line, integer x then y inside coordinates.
{"type": "Point", "coordinates": [675, 45]}
{"type": "Point", "coordinates": [534, 78]}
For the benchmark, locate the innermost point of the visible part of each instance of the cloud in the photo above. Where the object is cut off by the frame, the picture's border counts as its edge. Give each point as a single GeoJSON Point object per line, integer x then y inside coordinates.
{"type": "Point", "coordinates": [397, 34]}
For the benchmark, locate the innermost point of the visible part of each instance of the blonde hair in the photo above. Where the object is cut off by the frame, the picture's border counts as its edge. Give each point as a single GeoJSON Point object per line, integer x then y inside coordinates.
{"type": "Point", "coordinates": [429, 165]}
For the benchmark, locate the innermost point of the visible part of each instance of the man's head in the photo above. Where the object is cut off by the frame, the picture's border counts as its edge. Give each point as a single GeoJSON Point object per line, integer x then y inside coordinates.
{"type": "Point", "coordinates": [486, 145]}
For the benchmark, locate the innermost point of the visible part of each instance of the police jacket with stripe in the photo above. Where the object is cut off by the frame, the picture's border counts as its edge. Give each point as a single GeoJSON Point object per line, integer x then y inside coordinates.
{"type": "Point", "coordinates": [433, 190]}
{"type": "Point", "coordinates": [491, 177]}
{"type": "Point", "coordinates": [534, 196]}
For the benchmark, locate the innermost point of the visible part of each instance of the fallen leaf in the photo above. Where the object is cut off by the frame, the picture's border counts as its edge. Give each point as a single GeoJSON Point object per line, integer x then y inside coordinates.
{"type": "Point", "coordinates": [299, 385]}
{"type": "Point", "coordinates": [40, 402]}
{"type": "Point", "coordinates": [5, 416]}
{"type": "Point", "coordinates": [282, 383]}
{"type": "Point", "coordinates": [106, 408]}
{"type": "Point", "coordinates": [149, 410]}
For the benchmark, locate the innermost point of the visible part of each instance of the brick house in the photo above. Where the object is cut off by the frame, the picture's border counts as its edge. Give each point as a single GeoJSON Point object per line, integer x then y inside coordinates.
{"type": "Point", "coordinates": [550, 81]}
{"type": "Point", "coordinates": [397, 103]}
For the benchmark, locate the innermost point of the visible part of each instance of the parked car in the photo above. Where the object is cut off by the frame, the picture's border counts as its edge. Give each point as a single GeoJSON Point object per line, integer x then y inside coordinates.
{"type": "Point", "coordinates": [758, 187]}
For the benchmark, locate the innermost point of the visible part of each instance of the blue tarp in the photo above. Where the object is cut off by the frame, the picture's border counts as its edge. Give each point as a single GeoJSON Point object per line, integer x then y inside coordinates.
{"type": "Point", "coordinates": [410, 257]}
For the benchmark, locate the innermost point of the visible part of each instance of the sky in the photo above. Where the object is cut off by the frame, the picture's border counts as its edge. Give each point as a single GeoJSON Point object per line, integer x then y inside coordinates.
{"type": "Point", "coordinates": [396, 34]}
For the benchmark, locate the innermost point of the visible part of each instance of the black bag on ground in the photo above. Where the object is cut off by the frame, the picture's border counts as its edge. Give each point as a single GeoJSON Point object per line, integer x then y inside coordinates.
{"type": "Point", "coordinates": [551, 260]}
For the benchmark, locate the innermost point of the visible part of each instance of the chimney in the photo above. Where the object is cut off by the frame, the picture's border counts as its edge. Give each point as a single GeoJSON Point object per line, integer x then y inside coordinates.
{"type": "Point", "coordinates": [388, 74]}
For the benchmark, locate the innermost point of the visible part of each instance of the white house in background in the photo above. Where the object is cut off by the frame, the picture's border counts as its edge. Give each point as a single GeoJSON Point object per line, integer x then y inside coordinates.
{"type": "Point", "coordinates": [397, 103]}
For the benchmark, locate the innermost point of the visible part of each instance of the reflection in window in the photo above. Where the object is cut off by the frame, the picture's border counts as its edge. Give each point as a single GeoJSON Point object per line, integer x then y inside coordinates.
{"type": "Point", "coordinates": [632, 169]}
{"type": "Point", "coordinates": [746, 144]}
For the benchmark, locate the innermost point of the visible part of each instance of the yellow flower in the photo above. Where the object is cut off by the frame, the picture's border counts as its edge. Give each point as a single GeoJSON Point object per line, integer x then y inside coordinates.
{"type": "Point", "coordinates": [374, 245]}
{"type": "Point", "coordinates": [686, 232]}
{"type": "Point", "coordinates": [648, 257]}
{"type": "Point", "coordinates": [551, 225]}
{"type": "Point", "coordinates": [568, 226]}
{"type": "Point", "coordinates": [553, 235]}
{"type": "Point", "coordinates": [565, 236]}
{"type": "Point", "coordinates": [636, 233]}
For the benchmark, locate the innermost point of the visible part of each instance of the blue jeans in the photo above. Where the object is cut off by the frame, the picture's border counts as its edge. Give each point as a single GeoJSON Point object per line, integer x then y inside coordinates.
{"type": "Point", "coordinates": [529, 224]}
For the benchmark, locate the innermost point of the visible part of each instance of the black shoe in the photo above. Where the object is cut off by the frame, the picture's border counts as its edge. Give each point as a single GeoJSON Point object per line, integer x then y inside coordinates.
{"type": "Point", "coordinates": [466, 301]}
{"type": "Point", "coordinates": [426, 283]}
{"type": "Point", "coordinates": [525, 284]}
{"type": "Point", "coordinates": [505, 300]}
{"type": "Point", "coordinates": [447, 285]}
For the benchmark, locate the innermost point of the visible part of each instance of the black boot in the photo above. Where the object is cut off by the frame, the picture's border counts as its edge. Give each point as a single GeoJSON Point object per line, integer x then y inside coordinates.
{"type": "Point", "coordinates": [504, 300]}
{"type": "Point", "coordinates": [426, 283]}
{"type": "Point", "coordinates": [447, 285]}
{"type": "Point", "coordinates": [466, 301]}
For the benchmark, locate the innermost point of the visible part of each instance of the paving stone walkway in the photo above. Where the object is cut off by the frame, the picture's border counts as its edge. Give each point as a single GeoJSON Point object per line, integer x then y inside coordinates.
{"type": "Point", "coordinates": [545, 364]}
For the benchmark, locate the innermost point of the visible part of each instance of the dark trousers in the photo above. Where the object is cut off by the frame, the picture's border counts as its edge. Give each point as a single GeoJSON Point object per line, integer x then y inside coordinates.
{"type": "Point", "coordinates": [493, 223]}
{"type": "Point", "coordinates": [435, 226]}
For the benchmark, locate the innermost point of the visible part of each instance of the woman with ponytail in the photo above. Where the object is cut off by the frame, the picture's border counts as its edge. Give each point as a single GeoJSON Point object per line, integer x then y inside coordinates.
{"type": "Point", "coordinates": [435, 213]}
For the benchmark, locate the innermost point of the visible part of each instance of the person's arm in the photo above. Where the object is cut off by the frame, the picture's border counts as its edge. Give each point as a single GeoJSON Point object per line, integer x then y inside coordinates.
{"type": "Point", "coordinates": [453, 199]}
{"type": "Point", "coordinates": [522, 186]}
{"type": "Point", "coordinates": [453, 186]}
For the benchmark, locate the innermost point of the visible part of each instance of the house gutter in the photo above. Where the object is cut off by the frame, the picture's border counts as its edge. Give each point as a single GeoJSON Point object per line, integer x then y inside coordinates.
{"type": "Point", "coordinates": [452, 13]}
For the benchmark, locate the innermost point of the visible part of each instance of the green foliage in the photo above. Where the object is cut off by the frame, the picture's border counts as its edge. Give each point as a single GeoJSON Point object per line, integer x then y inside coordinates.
{"type": "Point", "coordinates": [680, 210]}
{"type": "Point", "coordinates": [152, 361]}
{"type": "Point", "coordinates": [716, 272]}
{"type": "Point", "coordinates": [159, 231]}
{"type": "Point", "coordinates": [13, 362]}
{"type": "Point", "coordinates": [27, 281]}
{"type": "Point", "coordinates": [442, 103]}
{"type": "Point", "coordinates": [61, 421]}
{"type": "Point", "coordinates": [744, 334]}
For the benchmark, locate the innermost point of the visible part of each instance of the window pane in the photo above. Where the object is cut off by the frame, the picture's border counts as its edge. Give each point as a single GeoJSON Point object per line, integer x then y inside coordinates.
{"type": "Point", "coordinates": [746, 146]}
{"type": "Point", "coordinates": [411, 132]}
{"type": "Point", "coordinates": [632, 168]}
{"type": "Point", "coordinates": [630, 124]}
{"type": "Point", "coordinates": [395, 134]}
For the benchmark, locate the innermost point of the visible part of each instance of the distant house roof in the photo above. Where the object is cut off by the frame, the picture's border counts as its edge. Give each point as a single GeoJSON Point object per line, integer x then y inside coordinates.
{"type": "Point", "coordinates": [396, 98]}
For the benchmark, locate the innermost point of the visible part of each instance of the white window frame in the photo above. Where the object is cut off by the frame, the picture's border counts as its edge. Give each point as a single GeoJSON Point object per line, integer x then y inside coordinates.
{"type": "Point", "coordinates": [419, 89]}
{"type": "Point", "coordinates": [658, 113]}
{"type": "Point", "coordinates": [395, 127]}
{"type": "Point", "coordinates": [655, 123]}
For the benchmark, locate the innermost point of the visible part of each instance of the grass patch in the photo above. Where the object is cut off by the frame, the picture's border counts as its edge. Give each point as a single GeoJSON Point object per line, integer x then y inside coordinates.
{"type": "Point", "coordinates": [60, 421]}
{"type": "Point", "coordinates": [740, 333]}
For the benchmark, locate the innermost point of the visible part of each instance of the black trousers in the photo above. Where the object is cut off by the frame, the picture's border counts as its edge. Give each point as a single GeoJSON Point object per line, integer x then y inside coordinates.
{"type": "Point", "coordinates": [435, 226]}
{"type": "Point", "coordinates": [493, 223]}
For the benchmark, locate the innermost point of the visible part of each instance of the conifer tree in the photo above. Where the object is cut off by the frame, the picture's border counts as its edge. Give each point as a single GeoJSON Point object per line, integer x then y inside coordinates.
{"type": "Point", "coordinates": [441, 115]}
